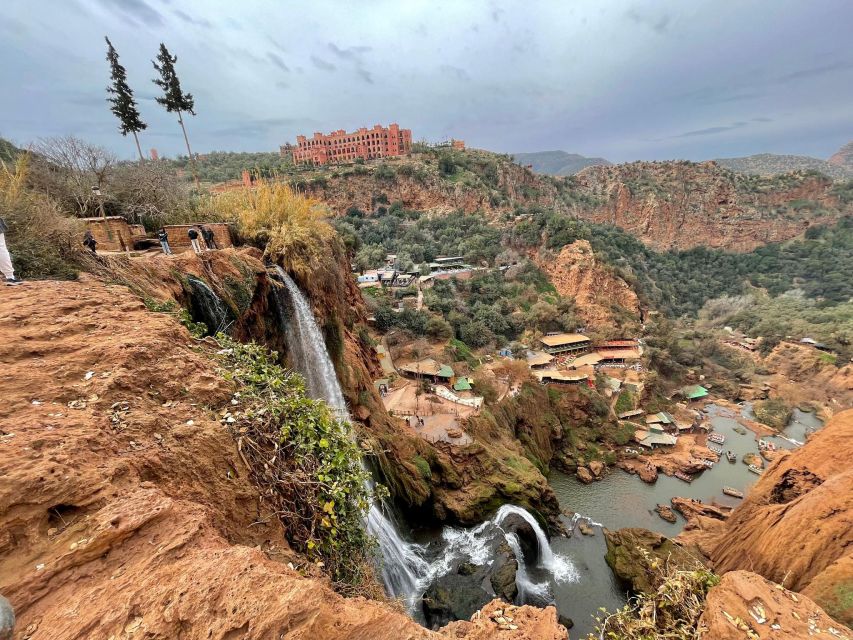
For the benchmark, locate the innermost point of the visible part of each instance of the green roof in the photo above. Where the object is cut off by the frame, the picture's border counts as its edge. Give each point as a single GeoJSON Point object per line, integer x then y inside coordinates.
{"type": "Point", "coordinates": [462, 385]}
{"type": "Point", "coordinates": [445, 372]}
{"type": "Point", "coordinates": [695, 392]}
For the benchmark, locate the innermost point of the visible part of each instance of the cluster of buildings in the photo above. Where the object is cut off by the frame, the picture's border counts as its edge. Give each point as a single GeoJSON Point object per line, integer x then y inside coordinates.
{"type": "Point", "coordinates": [341, 146]}
{"type": "Point", "coordinates": [389, 276]}
{"type": "Point", "coordinates": [569, 358]}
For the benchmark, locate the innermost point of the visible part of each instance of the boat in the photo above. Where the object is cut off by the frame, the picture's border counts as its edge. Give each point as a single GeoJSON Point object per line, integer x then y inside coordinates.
{"type": "Point", "coordinates": [683, 476]}
{"type": "Point", "coordinates": [708, 463]}
{"type": "Point", "coordinates": [719, 438]}
{"type": "Point", "coordinates": [765, 445]}
{"type": "Point", "coordinates": [755, 469]}
{"type": "Point", "coordinates": [732, 456]}
{"type": "Point", "coordinates": [734, 493]}
{"type": "Point", "coordinates": [716, 448]}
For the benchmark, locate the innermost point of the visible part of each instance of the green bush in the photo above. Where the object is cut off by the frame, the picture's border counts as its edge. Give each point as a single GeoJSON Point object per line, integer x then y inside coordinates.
{"type": "Point", "coordinates": [304, 460]}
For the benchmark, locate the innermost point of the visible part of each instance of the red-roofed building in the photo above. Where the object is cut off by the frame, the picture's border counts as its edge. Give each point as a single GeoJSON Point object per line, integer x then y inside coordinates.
{"type": "Point", "coordinates": [340, 146]}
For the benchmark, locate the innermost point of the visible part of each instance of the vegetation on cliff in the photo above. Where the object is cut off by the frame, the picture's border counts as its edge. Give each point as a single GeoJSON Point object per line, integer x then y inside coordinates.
{"type": "Point", "coordinates": [304, 461]}
{"type": "Point", "coordinates": [670, 604]}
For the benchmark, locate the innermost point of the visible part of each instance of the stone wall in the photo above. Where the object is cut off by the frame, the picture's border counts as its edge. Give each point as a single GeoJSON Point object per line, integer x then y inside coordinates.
{"type": "Point", "coordinates": [111, 233]}
{"type": "Point", "coordinates": [179, 240]}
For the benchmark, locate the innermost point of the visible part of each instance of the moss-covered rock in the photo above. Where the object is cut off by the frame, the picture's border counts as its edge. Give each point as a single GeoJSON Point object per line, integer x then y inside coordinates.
{"type": "Point", "coordinates": [635, 556]}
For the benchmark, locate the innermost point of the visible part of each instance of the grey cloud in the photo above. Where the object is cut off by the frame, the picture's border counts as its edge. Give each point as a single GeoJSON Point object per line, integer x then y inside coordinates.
{"type": "Point", "coordinates": [199, 22]}
{"type": "Point", "coordinates": [264, 126]}
{"type": "Point", "coordinates": [277, 61]}
{"type": "Point", "coordinates": [815, 71]}
{"type": "Point", "coordinates": [322, 64]}
{"type": "Point", "coordinates": [137, 11]}
{"type": "Point", "coordinates": [348, 53]}
{"type": "Point", "coordinates": [762, 119]}
{"type": "Point", "coordinates": [711, 130]}
{"type": "Point", "coordinates": [365, 75]}
{"type": "Point", "coordinates": [456, 72]}
{"type": "Point", "coordinates": [658, 24]}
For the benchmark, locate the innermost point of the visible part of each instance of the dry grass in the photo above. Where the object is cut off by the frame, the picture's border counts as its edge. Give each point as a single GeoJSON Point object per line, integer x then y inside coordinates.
{"type": "Point", "coordinates": [671, 612]}
{"type": "Point", "coordinates": [291, 226]}
{"type": "Point", "coordinates": [43, 242]}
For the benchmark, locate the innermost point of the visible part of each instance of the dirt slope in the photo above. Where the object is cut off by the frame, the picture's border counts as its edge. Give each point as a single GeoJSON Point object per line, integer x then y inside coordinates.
{"type": "Point", "coordinates": [600, 296]}
{"type": "Point", "coordinates": [129, 512]}
{"type": "Point", "coordinates": [796, 524]}
{"type": "Point", "coordinates": [745, 605]}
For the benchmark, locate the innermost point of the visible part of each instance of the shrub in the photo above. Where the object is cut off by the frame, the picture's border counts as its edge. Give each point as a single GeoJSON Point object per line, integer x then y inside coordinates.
{"type": "Point", "coordinates": [42, 242]}
{"type": "Point", "coordinates": [304, 461]}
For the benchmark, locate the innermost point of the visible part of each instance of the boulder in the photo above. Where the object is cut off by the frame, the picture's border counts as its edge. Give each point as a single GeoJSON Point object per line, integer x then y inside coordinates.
{"type": "Point", "coordinates": [648, 473]}
{"type": "Point", "coordinates": [585, 475]}
{"type": "Point", "coordinates": [597, 468]}
{"type": "Point", "coordinates": [502, 575]}
{"type": "Point", "coordinates": [625, 558]}
{"type": "Point", "coordinates": [754, 459]}
{"type": "Point", "coordinates": [585, 528]}
{"type": "Point", "coordinates": [691, 508]}
{"type": "Point", "coordinates": [453, 597]}
{"type": "Point", "coordinates": [666, 513]}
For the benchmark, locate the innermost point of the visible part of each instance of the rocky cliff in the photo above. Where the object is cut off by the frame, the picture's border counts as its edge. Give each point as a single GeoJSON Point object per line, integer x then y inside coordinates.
{"type": "Point", "coordinates": [673, 204]}
{"type": "Point", "coordinates": [795, 525]}
{"type": "Point", "coordinates": [683, 204]}
{"type": "Point", "coordinates": [843, 157]}
{"type": "Point", "coordinates": [601, 297]}
{"type": "Point", "coordinates": [126, 509]}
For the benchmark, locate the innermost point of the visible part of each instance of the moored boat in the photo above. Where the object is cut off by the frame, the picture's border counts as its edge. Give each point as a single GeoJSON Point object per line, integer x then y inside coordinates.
{"type": "Point", "coordinates": [683, 476]}
{"type": "Point", "coordinates": [716, 448]}
{"type": "Point", "coordinates": [732, 456]}
{"type": "Point", "coordinates": [719, 438]}
{"type": "Point", "coordinates": [755, 469]}
{"type": "Point", "coordinates": [734, 493]}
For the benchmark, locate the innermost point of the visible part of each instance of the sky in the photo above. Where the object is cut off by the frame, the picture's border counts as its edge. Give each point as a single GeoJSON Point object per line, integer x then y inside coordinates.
{"type": "Point", "coordinates": [622, 79]}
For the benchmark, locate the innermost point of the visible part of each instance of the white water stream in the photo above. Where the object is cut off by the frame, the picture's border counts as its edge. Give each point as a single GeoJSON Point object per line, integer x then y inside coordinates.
{"type": "Point", "coordinates": [409, 568]}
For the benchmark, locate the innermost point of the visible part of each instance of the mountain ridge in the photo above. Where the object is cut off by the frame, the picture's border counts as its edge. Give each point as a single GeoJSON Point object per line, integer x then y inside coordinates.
{"type": "Point", "coordinates": [557, 163]}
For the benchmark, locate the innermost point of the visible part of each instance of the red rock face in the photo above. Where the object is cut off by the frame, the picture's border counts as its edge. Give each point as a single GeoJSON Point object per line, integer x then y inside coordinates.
{"type": "Point", "coordinates": [679, 205]}
{"type": "Point", "coordinates": [596, 290]}
{"type": "Point", "coordinates": [128, 512]}
{"type": "Point", "coordinates": [796, 524]}
{"type": "Point", "coordinates": [745, 605]}
{"type": "Point", "coordinates": [843, 157]}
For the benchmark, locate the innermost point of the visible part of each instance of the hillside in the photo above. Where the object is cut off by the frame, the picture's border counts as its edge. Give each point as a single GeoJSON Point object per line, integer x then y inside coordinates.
{"type": "Point", "coordinates": [770, 164]}
{"type": "Point", "coordinates": [667, 205]}
{"type": "Point", "coordinates": [843, 158]}
{"type": "Point", "coordinates": [8, 151]}
{"type": "Point", "coordinates": [557, 163]}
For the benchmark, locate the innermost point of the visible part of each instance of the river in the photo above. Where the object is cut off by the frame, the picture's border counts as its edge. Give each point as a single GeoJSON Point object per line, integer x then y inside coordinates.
{"type": "Point", "coordinates": [623, 500]}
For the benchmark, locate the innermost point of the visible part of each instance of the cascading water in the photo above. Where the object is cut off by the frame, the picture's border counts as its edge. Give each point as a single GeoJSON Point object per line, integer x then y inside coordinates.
{"type": "Point", "coordinates": [561, 568]}
{"type": "Point", "coordinates": [207, 305]}
{"type": "Point", "coordinates": [405, 570]}
{"type": "Point", "coordinates": [527, 589]}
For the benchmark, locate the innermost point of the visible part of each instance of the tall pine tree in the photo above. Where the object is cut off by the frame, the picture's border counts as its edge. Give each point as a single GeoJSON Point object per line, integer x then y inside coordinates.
{"type": "Point", "coordinates": [174, 99]}
{"type": "Point", "coordinates": [121, 98]}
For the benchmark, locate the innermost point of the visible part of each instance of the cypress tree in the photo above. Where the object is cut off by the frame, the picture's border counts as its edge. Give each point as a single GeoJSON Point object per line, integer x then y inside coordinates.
{"type": "Point", "coordinates": [174, 99]}
{"type": "Point", "coordinates": [121, 98]}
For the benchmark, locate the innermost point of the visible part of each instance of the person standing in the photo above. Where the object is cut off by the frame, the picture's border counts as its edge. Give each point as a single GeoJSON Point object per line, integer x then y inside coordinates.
{"type": "Point", "coordinates": [163, 237]}
{"type": "Point", "coordinates": [193, 234]}
{"type": "Point", "coordinates": [90, 243]}
{"type": "Point", "coordinates": [209, 238]}
{"type": "Point", "coordinates": [5, 259]}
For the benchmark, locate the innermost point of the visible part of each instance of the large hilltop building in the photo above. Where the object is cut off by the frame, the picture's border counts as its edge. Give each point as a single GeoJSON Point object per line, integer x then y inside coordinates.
{"type": "Point", "coordinates": [340, 146]}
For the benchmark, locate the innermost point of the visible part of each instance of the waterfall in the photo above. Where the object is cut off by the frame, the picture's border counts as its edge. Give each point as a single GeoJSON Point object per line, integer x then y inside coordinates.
{"type": "Point", "coordinates": [526, 587]}
{"type": "Point", "coordinates": [561, 568]}
{"type": "Point", "coordinates": [403, 567]}
{"type": "Point", "coordinates": [207, 305]}
{"type": "Point", "coordinates": [406, 572]}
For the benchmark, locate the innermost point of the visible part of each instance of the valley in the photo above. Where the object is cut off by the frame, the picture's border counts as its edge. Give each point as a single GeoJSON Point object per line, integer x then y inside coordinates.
{"type": "Point", "coordinates": [526, 383]}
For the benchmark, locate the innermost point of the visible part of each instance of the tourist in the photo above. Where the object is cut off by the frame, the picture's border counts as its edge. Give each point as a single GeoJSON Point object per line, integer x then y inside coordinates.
{"type": "Point", "coordinates": [5, 259]}
{"type": "Point", "coordinates": [163, 237]}
{"type": "Point", "coordinates": [90, 243]}
{"type": "Point", "coordinates": [193, 234]}
{"type": "Point", "coordinates": [209, 238]}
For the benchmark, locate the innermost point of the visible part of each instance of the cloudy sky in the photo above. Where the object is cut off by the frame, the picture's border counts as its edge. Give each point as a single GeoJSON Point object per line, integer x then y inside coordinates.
{"type": "Point", "coordinates": [623, 79]}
